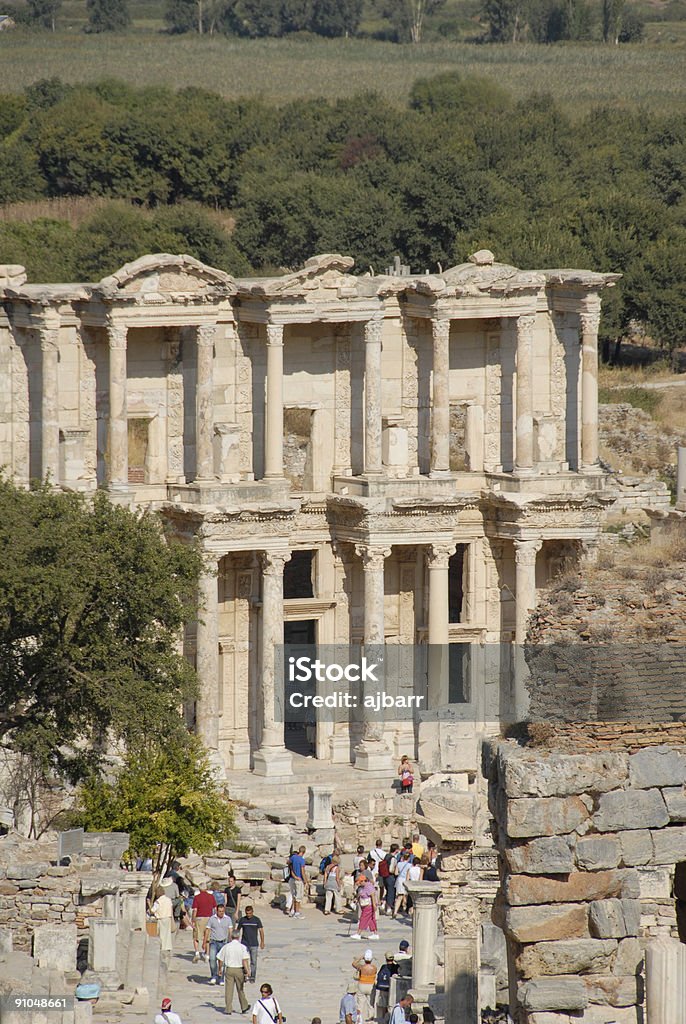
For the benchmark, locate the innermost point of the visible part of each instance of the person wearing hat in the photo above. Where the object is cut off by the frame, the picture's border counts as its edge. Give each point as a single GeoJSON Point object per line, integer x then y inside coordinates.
{"type": "Point", "coordinates": [399, 1015]}
{"type": "Point", "coordinates": [163, 910]}
{"type": "Point", "coordinates": [366, 977]}
{"type": "Point", "coordinates": [383, 987]}
{"type": "Point", "coordinates": [349, 1012]}
{"type": "Point", "coordinates": [87, 992]}
{"type": "Point", "coordinates": [166, 1015]}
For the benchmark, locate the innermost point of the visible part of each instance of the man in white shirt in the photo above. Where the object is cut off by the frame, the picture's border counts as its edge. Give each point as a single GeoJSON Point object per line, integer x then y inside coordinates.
{"type": "Point", "coordinates": [376, 856]}
{"type": "Point", "coordinates": [398, 1015]}
{"type": "Point", "coordinates": [235, 960]}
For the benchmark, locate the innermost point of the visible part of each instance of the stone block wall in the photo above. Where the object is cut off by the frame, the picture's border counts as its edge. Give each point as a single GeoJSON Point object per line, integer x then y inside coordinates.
{"type": "Point", "coordinates": [588, 845]}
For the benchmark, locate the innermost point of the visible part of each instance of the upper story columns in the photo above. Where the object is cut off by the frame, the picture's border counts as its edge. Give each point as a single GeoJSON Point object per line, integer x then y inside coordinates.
{"type": "Point", "coordinates": [50, 430]}
{"type": "Point", "coordinates": [273, 427]}
{"type": "Point", "coordinates": [589, 322]}
{"type": "Point", "coordinates": [204, 413]}
{"type": "Point", "coordinates": [373, 330]}
{"type": "Point", "coordinates": [440, 414]}
{"type": "Point", "coordinates": [524, 424]}
{"type": "Point", "coordinates": [118, 462]}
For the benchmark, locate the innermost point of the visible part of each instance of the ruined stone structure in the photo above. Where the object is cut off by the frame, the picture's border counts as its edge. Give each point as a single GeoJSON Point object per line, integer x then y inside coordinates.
{"type": "Point", "coordinates": [363, 459]}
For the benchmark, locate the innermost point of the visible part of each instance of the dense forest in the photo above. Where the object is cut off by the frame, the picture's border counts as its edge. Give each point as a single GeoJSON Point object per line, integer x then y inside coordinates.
{"type": "Point", "coordinates": [461, 167]}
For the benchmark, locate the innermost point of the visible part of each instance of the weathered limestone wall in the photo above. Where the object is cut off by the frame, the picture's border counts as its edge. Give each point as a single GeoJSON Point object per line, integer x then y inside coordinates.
{"type": "Point", "coordinates": [589, 844]}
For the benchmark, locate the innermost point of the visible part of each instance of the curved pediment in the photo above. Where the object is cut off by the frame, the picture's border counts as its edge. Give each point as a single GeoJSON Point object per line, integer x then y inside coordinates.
{"type": "Point", "coordinates": [163, 273]}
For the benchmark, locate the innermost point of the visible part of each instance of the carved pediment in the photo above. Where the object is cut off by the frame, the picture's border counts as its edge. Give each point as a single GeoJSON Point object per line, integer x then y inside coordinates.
{"type": "Point", "coordinates": [164, 274]}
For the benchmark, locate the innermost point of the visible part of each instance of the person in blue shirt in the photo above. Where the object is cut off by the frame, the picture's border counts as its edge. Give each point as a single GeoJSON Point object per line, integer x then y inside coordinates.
{"type": "Point", "coordinates": [297, 880]}
{"type": "Point", "coordinates": [349, 1013]}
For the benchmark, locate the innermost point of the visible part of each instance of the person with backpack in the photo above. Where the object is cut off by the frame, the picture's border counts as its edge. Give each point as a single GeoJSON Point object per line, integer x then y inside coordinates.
{"type": "Point", "coordinates": [298, 879]}
{"type": "Point", "coordinates": [383, 988]}
{"type": "Point", "coordinates": [388, 869]}
{"type": "Point", "coordinates": [332, 886]}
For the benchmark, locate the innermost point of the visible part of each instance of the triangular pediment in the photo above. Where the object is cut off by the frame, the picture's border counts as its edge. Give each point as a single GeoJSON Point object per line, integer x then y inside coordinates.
{"type": "Point", "coordinates": [163, 274]}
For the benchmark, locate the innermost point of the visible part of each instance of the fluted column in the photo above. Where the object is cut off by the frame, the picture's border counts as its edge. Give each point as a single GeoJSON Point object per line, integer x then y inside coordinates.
{"type": "Point", "coordinates": [273, 426]}
{"type": "Point", "coordinates": [372, 753]}
{"type": "Point", "coordinates": [373, 330]}
{"type": "Point", "coordinates": [439, 639]}
{"type": "Point", "coordinates": [525, 602]}
{"type": "Point", "coordinates": [272, 758]}
{"type": "Point", "coordinates": [118, 425]}
{"type": "Point", "coordinates": [524, 430]}
{"type": "Point", "coordinates": [440, 401]}
{"type": "Point", "coordinates": [204, 413]}
{"type": "Point", "coordinates": [50, 430]}
{"type": "Point", "coordinates": [207, 659]}
{"type": "Point", "coordinates": [590, 320]}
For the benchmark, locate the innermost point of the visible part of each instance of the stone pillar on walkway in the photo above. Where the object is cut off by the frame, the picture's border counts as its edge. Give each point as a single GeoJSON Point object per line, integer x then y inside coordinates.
{"type": "Point", "coordinates": [204, 411]}
{"type": "Point", "coordinates": [439, 638]}
{"type": "Point", "coordinates": [319, 813]}
{"type": "Point", "coordinates": [272, 758]}
{"type": "Point", "coordinates": [373, 329]}
{"type": "Point", "coordinates": [525, 601]}
{"type": "Point", "coordinates": [590, 320]}
{"type": "Point", "coordinates": [134, 887]}
{"type": "Point", "coordinates": [207, 658]}
{"type": "Point", "coordinates": [371, 753]}
{"type": "Point", "coordinates": [102, 951]}
{"type": "Point", "coordinates": [424, 934]}
{"type": "Point", "coordinates": [681, 479]}
{"type": "Point", "coordinates": [273, 425]}
{"type": "Point", "coordinates": [118, 454]}
{"type": "Point", "coordinates": [440, 400]}
{"type": "Point", "coordinates": [524, 426]}
{"type": "Point", "coordinates": [49, 427]}
{"type": "Point", "coordinates": [461, 961]}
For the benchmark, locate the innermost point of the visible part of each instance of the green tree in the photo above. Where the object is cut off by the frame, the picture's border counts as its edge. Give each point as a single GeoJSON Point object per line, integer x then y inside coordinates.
{"type": "Point", "coordinates": [44, 12]}
{"type": "Point", "coordinates": [108, 15]}
{"type": "Point", "coordinates": [168, 801]}
{"type": "Point", "coordinates": [335, 17]}
{"type": "Point", "coordinates": [92, 599]}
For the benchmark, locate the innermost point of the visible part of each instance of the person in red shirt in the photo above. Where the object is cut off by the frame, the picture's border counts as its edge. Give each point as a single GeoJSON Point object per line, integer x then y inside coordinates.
{"type": "Point", "coordinates": [204, 905]}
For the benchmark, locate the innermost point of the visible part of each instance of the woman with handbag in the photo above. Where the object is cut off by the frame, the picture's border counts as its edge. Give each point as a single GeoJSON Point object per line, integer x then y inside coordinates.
{"type": "Point", "coordinates": [266, 1009]}
{"type": "Point", "coordinates": [332, 886]}
{"type": "Point", "coordinates": [406, 774]}
{"type": "Point", "coordinates": [366, 898]}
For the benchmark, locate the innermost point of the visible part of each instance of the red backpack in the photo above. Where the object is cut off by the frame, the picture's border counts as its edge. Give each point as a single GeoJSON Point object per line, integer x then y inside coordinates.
{"type": "Point", "coordinates": [385, 867]}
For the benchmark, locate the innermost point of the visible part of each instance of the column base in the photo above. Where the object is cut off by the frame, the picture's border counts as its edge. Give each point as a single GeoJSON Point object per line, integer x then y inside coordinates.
{"type": "Point", "coordinates": [592, 469]}
{"type": "Point", "coordinates": [237, 754]}
{"type": "Point", "coordinates": [339, 749]}
{"type": "Point", "coordinates": [272, 762]}
{"type": "Point", "coordinates": [373, 756]}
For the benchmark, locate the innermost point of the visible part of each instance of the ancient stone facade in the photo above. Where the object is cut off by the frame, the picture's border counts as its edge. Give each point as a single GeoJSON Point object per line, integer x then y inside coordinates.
{"type": "Point", "coordinates": [362, 459]}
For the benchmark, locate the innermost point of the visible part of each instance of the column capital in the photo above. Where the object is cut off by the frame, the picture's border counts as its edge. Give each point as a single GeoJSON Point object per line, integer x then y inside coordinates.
{"type": "Point", "coordinates": [373, 329]}
{"type": "Point", "coordinates": [116, 333]}
{"type": "Point", "coordinates": [49, 338]}
{"type": "Point", "coordinates": [373, 557]}
{"type": "Point", "coordinates": [205, 334]}
{"type": "Point", "coordinates": [440, 328]}
{"type": "Point", "coordinates": [438, 555]}
{"type": "Point", "coordinates": [424, 894]}
{"type": "Point", "coordinates": [526, 550]}
{"type": "Point", "coordinates": [525, 324]}
{"type": "Point", "coordinates": [589, 320]}
{"type": "Point", "coordinates": [273, 562]}
{"type": "Point", "coordinates": [275, 334]}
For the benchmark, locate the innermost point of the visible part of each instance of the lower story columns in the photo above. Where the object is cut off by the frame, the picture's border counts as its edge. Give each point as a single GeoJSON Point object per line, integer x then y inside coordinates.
{"type": "Point", "coordinates": [371, 753]}
{"type": "Point", "coordinates": [207, 660]}
{"type": "Point", "coordinates": [526, 551]}
{"type": "Point", "coordinates": [272, 758]}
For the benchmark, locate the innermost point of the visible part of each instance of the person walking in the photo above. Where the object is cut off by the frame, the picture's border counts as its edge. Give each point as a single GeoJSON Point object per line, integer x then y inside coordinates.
{"type": "Point", "coordinates": [349, 1011]}
{"type": "Point", "coordinates": [232, 894]}
{"type": "Point", "coordinates": [404, 865]}
{"type": "Point", "coordinates": [366, 899]}
{"type": "Point", "coordinates": [234, 958]}
{"type": "Point", "coordinates": [414, 874]}
{"type": "Point", "coordinates": [204, 905]}
{"type": "Point", "coordinates": [163, 911]}
{"type": "Point", "coordinates": [217, 934]}
{"type": "Point", "coordinates": [366, 976]}
{"type": "Point", "coordinates": [388, 869]}
{"type": "Point", "coordinates": [333, 883]}
{"type": "Point", "coordinates": [406, 774]}
{"type": "Point", "coordinates": [266, 1009]}
{"type": "Point", "coordinates": [252, 935]}
{"type": "Point", "coordinates": [298, 879]}
{"type": "Point", "coordinates": [383, 987]}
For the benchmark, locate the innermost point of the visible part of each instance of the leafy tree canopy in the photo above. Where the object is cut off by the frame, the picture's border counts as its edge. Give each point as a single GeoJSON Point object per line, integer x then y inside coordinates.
{"type": "Point", "coordinates": [166, 798]}
{"type": "Point", "coordinates": [108, 15]}
{"type": "Point", "coordinates": [92, 598]}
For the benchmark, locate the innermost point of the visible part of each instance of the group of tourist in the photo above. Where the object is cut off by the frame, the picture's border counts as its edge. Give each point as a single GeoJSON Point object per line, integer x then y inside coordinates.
{"type": "Point", "coordinates": [368, 996]}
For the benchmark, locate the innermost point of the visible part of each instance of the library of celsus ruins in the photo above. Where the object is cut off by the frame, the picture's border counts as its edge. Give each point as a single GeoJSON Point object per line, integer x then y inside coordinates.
{"type": "Point", "coordinates": [399, 459]}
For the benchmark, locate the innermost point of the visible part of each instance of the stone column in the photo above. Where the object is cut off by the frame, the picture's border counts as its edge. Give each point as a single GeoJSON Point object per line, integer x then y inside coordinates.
{"type": "Point", "coordinates": [373, 330]}
{"type": "Point", "coordinates": [474, 437]}
{"type": "Point", "coordinates": [49, 428]}
{"type": "Point", "coordinates": [524, 429]}
{"type": "Point", "coordinates": [118, 425]}
{"type": "Point", "coordinates": [664, 958]}
{"type": "Point", "coordinates": [438, 558]}
{"type": "Point", "coordinates": [204, 413]}
{"type": "Point", "coordinates": [207, 659]}
{"type": "Point", "coordinates": [681, 479]}
{"type": "Point", "coordinates": [134, 887]}
{"type": "Point", "coordinates": [525, 602]}
{"type": "Point", "coordinates": [590, 320]}
{"type": "Point", "coordinates": [424, 934]}
{"type": "Point", "coordinates": [440, 400]}
{"type": "Point", "coordinates": [102, 951]}
{"type": "Point", "coordinates": [272, 758]}
{"type": "Point", "coordinates": [461, 958]}
{"type": "Point", "coordinates": [319, 813]}
{"type": "Point", "coordinates": [273, 420]}
{"type": "Point", "coordinates": [372, 753]}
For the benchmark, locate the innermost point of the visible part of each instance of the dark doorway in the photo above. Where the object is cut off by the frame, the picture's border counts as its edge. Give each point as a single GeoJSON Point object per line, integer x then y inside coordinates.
{"type": "Point", "coordinates": [299, 640]}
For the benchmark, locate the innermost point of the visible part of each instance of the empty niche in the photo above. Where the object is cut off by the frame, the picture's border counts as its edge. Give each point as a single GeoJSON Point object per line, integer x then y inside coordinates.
{"type": "Point", "coordinates": [297, 448]}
